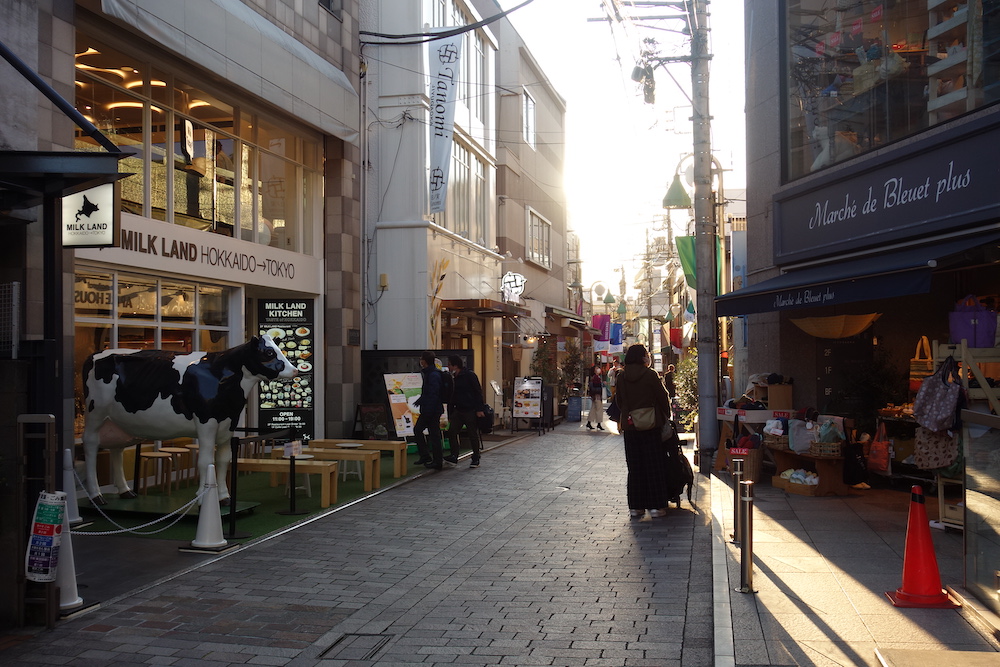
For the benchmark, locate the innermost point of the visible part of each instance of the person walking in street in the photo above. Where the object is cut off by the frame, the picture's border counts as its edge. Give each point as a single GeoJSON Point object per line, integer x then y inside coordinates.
{"type": "Point", "coordinates": [646, 457]}
{"type": "Point", "coordinates": [612, 378]}
{"type": "Point", "coordinates": [595, 389]}
{"type": "Point", "coordinates": [464, 409]}
{"type": "Point", "coordinates": [668, 381]}
{"type": "Point", "coordinates": [431, 408]}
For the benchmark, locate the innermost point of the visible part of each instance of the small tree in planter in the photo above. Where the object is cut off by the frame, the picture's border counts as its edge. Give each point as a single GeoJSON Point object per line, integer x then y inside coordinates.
{"type": "Point", "coordinates": [572, 369]}
{"type": "Point", "coordinates": [543, 363]}
{"type": "Point", "coordinates": [686, 381]}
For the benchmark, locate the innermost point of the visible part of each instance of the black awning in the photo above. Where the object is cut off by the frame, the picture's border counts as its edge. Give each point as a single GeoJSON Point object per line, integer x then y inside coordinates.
{"type": "Point", "coordinates": [879, 276]}
{"type": "Point", "coordinates": [26, 177]}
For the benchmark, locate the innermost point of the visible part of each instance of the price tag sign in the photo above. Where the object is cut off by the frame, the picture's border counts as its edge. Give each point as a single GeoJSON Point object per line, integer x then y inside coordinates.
{"type": "Point", "coordinates": [739, 451]}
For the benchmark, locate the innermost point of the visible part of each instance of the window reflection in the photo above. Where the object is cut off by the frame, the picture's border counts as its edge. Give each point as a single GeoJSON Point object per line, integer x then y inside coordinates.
{"type": "Point", "coordinates": [202, 151]}
{"type": "Point", "coordinates": [863, 74]}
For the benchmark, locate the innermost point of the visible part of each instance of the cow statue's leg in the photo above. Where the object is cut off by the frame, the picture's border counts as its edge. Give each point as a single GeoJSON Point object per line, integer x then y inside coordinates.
{"type": "Point", "coordinates": [91, 439]}
{"type": "Point", "coordinates": [117, 460]}
{"type": "Point", "coordinates": [223, 458]}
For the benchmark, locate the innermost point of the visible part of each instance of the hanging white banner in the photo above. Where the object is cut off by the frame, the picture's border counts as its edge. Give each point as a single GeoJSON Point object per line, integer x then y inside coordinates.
{"type": "Point", "coordinates": [443, 57]}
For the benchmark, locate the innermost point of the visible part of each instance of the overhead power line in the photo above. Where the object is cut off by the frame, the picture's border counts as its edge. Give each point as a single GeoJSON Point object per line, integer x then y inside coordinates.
{"type": "Point", "coordinates": [430, 36]}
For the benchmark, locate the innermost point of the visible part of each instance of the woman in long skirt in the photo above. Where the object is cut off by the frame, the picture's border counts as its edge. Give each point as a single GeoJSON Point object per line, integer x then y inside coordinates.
{"type": "Point", "coordinates": [639, 386]}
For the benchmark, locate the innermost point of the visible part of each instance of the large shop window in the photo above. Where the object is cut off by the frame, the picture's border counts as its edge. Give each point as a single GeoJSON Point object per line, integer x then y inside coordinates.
{"type": "Point", "coordinates": [196, 158]}
{"type": "Point", "coordinates": [862, 74]}
{"type": "Point", "coordinates": [122, 310]}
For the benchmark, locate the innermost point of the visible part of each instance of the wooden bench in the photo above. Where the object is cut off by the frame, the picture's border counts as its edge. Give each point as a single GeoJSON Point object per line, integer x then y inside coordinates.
{"type": "Point", "coordinates": [327, 470]}
{"type": "Point", "coordinates": [397, 447]}
{"type": "Point", "coordinates": [372, 470]}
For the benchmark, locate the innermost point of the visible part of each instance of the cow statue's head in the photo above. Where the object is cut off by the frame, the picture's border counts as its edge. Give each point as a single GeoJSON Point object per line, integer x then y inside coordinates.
{"type": "Point", "coordinates": [269, 362]}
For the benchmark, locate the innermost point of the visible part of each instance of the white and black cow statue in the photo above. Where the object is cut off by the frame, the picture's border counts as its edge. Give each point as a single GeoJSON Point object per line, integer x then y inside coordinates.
{"type": "Point", "coordinates": [135, 395]}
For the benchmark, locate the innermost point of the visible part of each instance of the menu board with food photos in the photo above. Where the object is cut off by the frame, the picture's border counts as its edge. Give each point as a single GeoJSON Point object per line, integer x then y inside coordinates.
{"type": "Point", "coordinates": [527, 398]}
{"type": "Point", "coordinates": [289, 403]}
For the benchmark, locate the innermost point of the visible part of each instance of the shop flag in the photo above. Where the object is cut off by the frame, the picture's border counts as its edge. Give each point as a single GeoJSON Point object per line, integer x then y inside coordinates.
{"type": "Point", "coordinates": [616, 333]}
{"type": "Point", "coordinates": [689, 313]}
{"type": "Point", "coordinates": [443, 57]}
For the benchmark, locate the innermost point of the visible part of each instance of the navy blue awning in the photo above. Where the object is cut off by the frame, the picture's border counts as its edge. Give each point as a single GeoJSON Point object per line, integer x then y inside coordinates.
{"type": "Point", "coordinates": [878, 276]}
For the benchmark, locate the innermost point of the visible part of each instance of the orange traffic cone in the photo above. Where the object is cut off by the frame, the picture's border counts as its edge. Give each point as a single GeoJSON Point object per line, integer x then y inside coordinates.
{"type": "Point", "coordinates": [921, 581]}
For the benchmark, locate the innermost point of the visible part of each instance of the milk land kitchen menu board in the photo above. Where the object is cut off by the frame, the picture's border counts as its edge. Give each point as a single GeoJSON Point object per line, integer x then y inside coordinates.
{"type": "Point", "coordinates": [289, 403]}
{"type": "Point", "coordinates": [527, 398]}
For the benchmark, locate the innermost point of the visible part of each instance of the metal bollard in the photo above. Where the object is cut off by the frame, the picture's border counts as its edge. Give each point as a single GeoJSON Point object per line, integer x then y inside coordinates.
{"type": "Point", "coordinates": [737, 478]}
{"type": "Point", "coordinates": [746, 548]}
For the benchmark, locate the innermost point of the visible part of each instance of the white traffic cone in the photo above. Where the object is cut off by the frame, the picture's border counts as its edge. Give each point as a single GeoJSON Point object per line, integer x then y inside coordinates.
{"type": "Point", "coordinates": [66, 570]}
{"type": "Point", "coordinates": [69, 487]}
{"type": "Point", "coordinates": [209, 533]}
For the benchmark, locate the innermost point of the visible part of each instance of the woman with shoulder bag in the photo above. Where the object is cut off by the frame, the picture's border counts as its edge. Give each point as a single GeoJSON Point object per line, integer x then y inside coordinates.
{"type": "Point", "coordinates": [645, 408]}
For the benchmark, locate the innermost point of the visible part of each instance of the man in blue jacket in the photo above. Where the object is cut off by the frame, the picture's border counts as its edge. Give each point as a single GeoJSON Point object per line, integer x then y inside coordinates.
{"type": "Point", "coordinates": [431, 408]}
{"type": "Point", "coordinates": [465, 406]}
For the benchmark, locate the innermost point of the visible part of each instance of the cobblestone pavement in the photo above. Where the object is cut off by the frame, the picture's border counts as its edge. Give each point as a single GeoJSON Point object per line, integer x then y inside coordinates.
{"type": "Point", "coordinates": [530, 559]}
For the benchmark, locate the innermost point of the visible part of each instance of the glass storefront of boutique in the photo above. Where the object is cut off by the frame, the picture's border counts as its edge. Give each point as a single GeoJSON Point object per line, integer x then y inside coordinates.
{"type": "Point", "coordinates": [860, 75]}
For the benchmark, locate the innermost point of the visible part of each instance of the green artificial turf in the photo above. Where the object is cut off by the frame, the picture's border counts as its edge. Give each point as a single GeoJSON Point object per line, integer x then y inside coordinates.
{"type": "Point", "coordinates": [251, 488]}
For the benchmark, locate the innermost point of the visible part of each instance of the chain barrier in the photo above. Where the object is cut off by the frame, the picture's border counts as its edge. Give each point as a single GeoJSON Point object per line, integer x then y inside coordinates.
{"type": "Point", "coordinates": [135, 529]}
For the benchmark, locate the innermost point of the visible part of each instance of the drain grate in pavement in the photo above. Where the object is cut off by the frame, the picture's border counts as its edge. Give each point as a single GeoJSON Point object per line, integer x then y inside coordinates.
{"type": "Point", "coordinates": [355, 646]}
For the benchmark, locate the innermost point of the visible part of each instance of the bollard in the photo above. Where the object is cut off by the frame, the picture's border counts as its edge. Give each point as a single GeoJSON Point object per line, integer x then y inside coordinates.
{"type": "Point", "coordinates": [737, 478]}
{"type": "Point", "coordinates": [746, 548]}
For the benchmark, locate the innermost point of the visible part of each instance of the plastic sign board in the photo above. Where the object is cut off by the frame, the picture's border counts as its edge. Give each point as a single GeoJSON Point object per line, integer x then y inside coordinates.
{"type": "Point", "coordinates": [527, 398]}
{"type": "Point", "coordinates": [91, 219]}
{"type": "Point", "coordinates": [42, 559]}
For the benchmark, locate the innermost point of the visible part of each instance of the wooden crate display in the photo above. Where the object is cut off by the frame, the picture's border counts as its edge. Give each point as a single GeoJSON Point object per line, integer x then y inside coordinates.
{"type": "Point", "coordinates": [780, 482]}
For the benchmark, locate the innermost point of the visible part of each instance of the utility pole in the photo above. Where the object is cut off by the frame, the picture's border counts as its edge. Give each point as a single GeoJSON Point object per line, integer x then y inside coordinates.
{"type": "Point", "coordinates": [705, 238]}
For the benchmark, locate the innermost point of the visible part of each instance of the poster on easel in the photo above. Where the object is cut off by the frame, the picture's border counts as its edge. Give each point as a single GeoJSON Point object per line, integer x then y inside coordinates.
{"type": "Point", "coordinates": [527, 398]}
{"type": "Point", "coordinates": [375, 421]}
{"type": "Point", "coordinates": [403, 390]}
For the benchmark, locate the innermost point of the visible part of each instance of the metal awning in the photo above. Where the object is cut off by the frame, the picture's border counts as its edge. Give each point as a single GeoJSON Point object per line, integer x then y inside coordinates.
{"type": "Point", "coordinates": [574, 319]}
{"type": "Point", "coordinates": [485, 307]}
{"type": "Point", "coordinates": [27, 177]}
{"type": "Point", "coordinates": [528, 326]}
{"type": "Point", "coordinates": [880, 276]}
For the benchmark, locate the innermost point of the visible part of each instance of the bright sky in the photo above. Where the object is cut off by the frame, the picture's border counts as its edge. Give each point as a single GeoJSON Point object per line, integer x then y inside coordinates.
{"type": "Point", "coordinates": [621, 153]}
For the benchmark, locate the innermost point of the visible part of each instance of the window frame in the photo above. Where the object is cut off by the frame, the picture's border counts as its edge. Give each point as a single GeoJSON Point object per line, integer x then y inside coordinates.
{"type": "Point", "coordinates": [538, 238]}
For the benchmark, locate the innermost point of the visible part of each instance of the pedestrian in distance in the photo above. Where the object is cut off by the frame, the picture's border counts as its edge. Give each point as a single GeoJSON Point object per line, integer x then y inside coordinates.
{"type": "Point", "coordinates": [612, 378]}
{"type": "Point", "coordinates": [595, 389]}
{"type": "Point", "coordinates": [464, 409]}
{"type": "Point", "coordinates": [431, 408]}
{"type": "Point", "coordinates": [646, 457]}
{"type": "Point", "coordinates": [668, 380]}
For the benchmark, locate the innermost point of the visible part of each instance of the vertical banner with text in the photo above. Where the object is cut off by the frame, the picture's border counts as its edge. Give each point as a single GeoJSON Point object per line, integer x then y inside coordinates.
{"type": "Point", "coordinates": [289, 403]}
{"type": "Point", "coordinates": [443, 58]}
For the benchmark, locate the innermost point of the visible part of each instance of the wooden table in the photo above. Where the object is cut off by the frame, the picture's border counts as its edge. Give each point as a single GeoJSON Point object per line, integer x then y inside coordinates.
{"type": "Point", "coordinates": [370, 459]}
{"type": "Point", "coordinates": [397, 447]}
{"type": "Point", "coordinates": [829, 468]}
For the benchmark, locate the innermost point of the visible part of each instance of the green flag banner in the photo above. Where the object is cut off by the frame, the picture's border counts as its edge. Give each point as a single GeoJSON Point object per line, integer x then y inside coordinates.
{"type": "Point", "coordinates": [686, 251]}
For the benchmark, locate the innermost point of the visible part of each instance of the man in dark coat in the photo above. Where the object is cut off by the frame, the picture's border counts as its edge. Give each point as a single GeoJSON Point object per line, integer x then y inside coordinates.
{"type": "Point", "coordinates": [465, 407]}
{"type": "Point", "coordinates": [431, 409]}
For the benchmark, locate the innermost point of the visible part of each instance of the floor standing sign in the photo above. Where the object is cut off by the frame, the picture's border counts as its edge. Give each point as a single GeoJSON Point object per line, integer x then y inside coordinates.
{"type": "Point", "coordinates": [289, 403]}
{"type": "Point", "coordinates": [42, 559]}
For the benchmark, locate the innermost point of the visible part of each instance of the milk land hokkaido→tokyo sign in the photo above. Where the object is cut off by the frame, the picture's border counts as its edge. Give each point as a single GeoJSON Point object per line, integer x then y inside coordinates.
{"type": "Point", "coordinates": [443, 58]}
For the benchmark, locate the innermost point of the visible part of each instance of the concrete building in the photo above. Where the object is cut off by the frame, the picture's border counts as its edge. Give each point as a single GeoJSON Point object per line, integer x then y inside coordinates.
{"type": "Point", "coordinates": [872, 211]}
{"type": "Point", "coordinates": [239, 128]}
{"type": "Point", "coordinates": [432, 278]}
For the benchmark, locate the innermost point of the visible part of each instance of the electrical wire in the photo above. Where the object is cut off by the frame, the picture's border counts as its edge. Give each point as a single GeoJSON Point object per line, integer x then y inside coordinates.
{"type": "Point", "coordinates": [431, 36]}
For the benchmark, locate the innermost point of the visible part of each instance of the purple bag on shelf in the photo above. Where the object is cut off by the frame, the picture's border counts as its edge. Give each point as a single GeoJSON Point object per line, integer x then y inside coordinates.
{"type": "Point", "coordinates": [974, 322]}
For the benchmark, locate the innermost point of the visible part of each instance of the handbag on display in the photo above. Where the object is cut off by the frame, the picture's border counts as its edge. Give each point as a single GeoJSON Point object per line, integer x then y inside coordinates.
{"type": "Point", "coordinates": [973, 322]}
{"type": "Point", "coordinates": [921, 365]}
{"type": "Point", "coordinates": [934, 449]}
{"type": "Point", "coordinates": [936, 402]}
{"type": "Point", "coordinates": [879, 452]}
{"type": "Point", "coordinates": [642, 419]}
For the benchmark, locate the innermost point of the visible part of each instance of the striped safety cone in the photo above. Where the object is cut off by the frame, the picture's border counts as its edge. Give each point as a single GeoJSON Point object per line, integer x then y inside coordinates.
{"type": "Point", "coordinates": [921, 580]}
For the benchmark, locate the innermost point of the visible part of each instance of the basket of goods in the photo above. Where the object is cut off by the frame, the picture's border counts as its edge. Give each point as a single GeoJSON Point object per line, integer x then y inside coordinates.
{"type": "Point", "coordinates": [828, 441]}
{"type": "Point", "coordinates": [825, 449]}
{"type": "Point", "coordinates": [776, 433]}
{"type": "Point", "coordinates": [776, 441]}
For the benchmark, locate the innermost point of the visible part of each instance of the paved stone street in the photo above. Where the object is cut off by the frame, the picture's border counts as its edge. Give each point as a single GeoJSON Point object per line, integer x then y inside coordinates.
{"type": "Point", "coordinates": [531, 559]}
